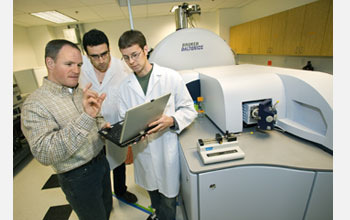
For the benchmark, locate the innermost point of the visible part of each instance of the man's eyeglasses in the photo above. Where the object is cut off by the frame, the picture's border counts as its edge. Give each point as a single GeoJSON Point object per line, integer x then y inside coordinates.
{"type": "Point", "coordinates": [133, 56]}
{"type": "Point", "coordinates": [98, 56]}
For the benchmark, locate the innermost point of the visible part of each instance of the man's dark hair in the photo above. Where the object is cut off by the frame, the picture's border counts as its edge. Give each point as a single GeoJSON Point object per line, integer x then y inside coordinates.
{"type": "Point", "coordinates": [54, 46]}
{"type": "Point", "coordinates": [93, 38]}
{"type": "Point", "coordinates": [130, 38]}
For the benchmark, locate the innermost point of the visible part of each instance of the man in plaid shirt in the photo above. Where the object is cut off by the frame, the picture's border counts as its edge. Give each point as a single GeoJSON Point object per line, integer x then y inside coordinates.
{"type": "Point", "coordinates": [60, 122]}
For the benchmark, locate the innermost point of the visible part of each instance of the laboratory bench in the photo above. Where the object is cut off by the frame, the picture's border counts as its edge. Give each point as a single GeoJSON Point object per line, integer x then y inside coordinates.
{"type": "Point", "coordinates": [21, 148]}
{"type": "Point", "coordinates": [281, 177]}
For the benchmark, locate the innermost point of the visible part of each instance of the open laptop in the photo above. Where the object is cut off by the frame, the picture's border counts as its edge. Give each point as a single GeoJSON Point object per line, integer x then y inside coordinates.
{"type": "Point", "coordinates": [136, 120]}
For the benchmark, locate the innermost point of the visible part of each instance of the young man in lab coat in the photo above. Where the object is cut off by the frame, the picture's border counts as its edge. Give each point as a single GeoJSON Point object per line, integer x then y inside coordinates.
{"type": "Point", "coordinates": [156, 157]}
{"type": "Point", "coordinates": [106, 73]}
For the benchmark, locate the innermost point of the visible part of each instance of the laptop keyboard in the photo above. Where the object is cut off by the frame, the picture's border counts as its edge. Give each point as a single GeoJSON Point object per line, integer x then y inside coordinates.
{"type": "Point", "coordinates": [113, 133]}
{"type": "Point", "coordinates": [116, 131]}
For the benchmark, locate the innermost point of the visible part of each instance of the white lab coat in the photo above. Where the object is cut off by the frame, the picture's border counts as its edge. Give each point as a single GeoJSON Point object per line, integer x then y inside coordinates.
{"type": "Point", "coordinates": [156, 159]}
{"type": "Point", "coordinates": [116, 73]}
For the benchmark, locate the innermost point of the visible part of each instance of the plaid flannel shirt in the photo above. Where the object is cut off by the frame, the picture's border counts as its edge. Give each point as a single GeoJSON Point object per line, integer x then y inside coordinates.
{"type": "Point", "coordinates": [59, 132]}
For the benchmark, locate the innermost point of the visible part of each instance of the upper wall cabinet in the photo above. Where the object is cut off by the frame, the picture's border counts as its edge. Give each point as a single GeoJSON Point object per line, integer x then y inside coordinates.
{"type": "Point", "coordinates": [244, 38]}
{"type": "Point", "coordinates": [234, 38]}
{"type": "Point", "coordinates": [303, 31]}
{"type": "Point", "coordinates": [243, 32]}
{"type": "Point", "coordinates": [294, 29]}
{"type": "Point", "coordinates": [327, 44]}
{"type": "Point", "coordinates": [265, 35]}
{"type": "Point", "coordinates": [272, 33]}
{"type": "Point", "coordinates": [314, 27]}
{"type": "Point", "coordinates": [254, 37]}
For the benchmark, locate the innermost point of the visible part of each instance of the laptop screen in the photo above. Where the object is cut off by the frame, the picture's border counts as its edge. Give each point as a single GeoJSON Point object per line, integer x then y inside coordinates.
{"type": "Point", "coordinates": [137, 118]}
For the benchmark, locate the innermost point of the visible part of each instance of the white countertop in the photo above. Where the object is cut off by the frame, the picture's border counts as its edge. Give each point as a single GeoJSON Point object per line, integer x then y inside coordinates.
{"type": "Point", "coordinates": [269, 148]}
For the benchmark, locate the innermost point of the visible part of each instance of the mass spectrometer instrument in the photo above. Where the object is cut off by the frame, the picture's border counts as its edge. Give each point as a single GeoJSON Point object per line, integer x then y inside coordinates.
{"type": "Point", "coordinates": [290, 160]}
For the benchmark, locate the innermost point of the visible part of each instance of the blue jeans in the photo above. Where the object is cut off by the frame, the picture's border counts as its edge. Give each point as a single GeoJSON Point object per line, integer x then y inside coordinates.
{"type": "Point", "coordinates": [165, 207]}
{"type": "Point", "coordinates": [88, 189]}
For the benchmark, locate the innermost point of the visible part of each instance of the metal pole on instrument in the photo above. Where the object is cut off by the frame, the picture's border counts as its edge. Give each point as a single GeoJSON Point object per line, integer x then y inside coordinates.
{"type": "Point", "coordinates": [130, 16]}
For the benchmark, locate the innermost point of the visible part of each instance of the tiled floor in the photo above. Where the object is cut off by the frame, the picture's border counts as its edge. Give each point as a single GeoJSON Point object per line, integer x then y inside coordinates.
{"type": "Point", "coordinates": [30, 202]}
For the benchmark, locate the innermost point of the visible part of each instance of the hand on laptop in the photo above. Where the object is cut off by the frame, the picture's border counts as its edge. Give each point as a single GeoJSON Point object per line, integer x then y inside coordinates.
{"type": "Point", "coordinates": [107, 125]}
{"type": "Point", "coordinates": [163, 123]}
{"type": "Point", "coordinates": [142, 138]}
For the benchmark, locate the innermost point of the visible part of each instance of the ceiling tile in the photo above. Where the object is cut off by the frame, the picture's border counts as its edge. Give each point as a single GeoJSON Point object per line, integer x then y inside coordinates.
{"type": "Point", "coordinates": [160, 9]}
{"type": "Point", "coordinates": [209, 5]}
{"type": "Point", "coordinates": [30, 20]}
{"type": "Point", "coordinates": [124, 3]}
{"type": "Point", "coordinates": [18, 12]}
{"type": "Point", "coordinates": [98, 2]}
{"type": "Point", "coordinates": [235, 3]}
{"type": "Point", "coordinates": [59, 4]}
{"type": "Point", "coordinates": [137, 11]}
{"type": "Point", "coordinates": [109, 11]}
{"type": "Point", "coordinates": [30, 6]}
{"type": "Point", "coordinates": [81, 14]}
{"type": "Point", "coordinates": [98, 10]}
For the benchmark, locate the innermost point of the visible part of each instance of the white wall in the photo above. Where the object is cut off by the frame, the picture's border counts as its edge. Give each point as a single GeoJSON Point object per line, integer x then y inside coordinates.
{"type": "Point", "coordinates": [29, 46]}
{"type": "Point", "coordinates": [39, 37]}
{"type": "Point", "coordinates": [23, 53]}
{"type": "Point", "coordinates": [323, 64]}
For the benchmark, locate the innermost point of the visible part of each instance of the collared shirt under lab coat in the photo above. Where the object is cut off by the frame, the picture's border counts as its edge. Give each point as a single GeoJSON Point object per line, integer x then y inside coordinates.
{"type": "Point", "coordinates": [116, 73]}
{"type": "Point", "coordinates": [156, 159]}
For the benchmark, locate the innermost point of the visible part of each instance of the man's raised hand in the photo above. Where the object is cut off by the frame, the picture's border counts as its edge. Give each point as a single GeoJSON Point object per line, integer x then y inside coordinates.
{"type": "Point", "coordinates": [92, 102]}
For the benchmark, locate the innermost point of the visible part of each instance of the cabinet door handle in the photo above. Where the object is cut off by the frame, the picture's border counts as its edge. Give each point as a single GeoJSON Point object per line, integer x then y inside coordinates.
{"type": "Point", "coordinates": [269, 50]}
{"type": "Point", "coordinates": [296, 50]}
{"type": "Point", "coordinates": [301, 50]}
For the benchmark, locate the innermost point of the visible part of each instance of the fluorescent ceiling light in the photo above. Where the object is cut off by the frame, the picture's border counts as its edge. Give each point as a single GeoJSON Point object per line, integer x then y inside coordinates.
{"type": "Point", "coordinates": [54, 16]}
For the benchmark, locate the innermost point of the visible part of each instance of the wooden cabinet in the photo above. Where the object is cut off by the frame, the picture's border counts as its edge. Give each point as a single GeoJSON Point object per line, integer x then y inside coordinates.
{"type": "Point", "coordinates": [245, 38]}
{"type": "Point", "coordinates": [303, 31]}
{"type": "Point", "coordinates": [278, 33]}
{"type": "Point", "coordinates": [265, 35]}
{"type": "Point", "coordinates": [254, 37]}
{"type": "Point", "coordinates": [234, 38]}
{"type": "Point", "coordinates": [314, 27]}
{"type": "Point", "coordinates": [238, 39]}
{"type": "Point", "coordinates": [327, 43]}
{"type": "Point", "coordinates": [272, 33]}
{"type": "Point", "coordinates": [294, 28]}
